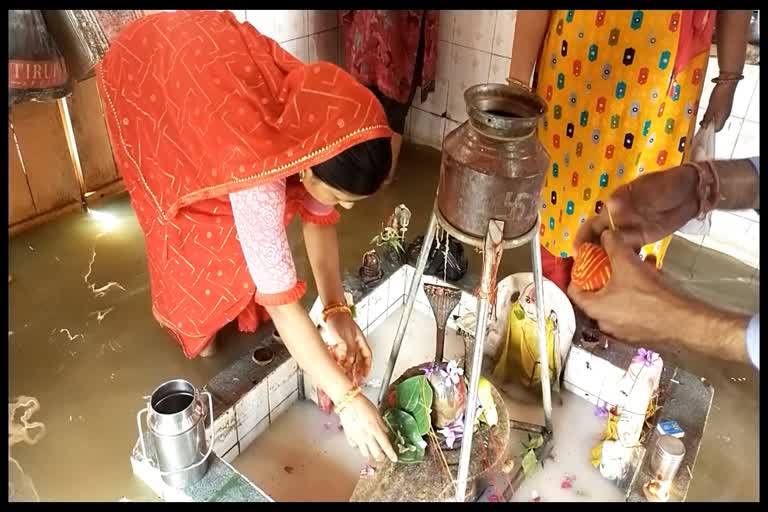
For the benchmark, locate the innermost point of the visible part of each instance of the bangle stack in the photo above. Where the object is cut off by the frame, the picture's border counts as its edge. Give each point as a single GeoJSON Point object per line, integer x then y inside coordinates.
{"type": "Point", "coordinates": [333, 309]}
{"type": "Point", "coordinates": [347, 399]}
{"type": "Point", "coordinates": [708, 188]}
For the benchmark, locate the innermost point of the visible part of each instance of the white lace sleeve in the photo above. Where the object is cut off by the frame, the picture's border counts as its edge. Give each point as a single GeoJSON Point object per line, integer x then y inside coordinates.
{"type": "Point", "coordinates": [258, 214]}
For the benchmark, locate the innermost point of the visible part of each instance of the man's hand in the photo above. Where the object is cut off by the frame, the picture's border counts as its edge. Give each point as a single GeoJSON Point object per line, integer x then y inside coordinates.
{"type": "Point", "coordinates": [647, 209]}
{"type": "Point", "coordinates": [635, 306]}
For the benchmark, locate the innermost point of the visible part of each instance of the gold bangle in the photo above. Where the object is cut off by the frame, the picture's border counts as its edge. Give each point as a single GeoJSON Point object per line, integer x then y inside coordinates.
{"type": "Point", "coordinates": [333, 309]}
{"type": "Point", "coordinates": [348, 397]}
{"type": "Point", "coordinates": [519, 83]}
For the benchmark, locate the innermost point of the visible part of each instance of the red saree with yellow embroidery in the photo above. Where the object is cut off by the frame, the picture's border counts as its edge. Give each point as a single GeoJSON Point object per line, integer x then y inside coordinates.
{"type": "Point", "coordinates": [199, 106]}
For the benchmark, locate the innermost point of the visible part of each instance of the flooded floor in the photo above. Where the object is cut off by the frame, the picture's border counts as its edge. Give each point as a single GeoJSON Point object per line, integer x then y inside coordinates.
{"type": "Point", "coordinates": [89, 358]}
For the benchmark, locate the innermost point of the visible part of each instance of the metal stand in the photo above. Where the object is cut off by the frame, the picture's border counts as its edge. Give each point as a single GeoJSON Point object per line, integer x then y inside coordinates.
{"type": "Point", "coordinates": [74, 154]}
{"type": "Point", "coordinates": [493, 247]}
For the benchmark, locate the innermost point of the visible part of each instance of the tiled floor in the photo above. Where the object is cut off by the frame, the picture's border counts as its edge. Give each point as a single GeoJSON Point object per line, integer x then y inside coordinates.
{"type": "Point", "coordinates": [90, 388]}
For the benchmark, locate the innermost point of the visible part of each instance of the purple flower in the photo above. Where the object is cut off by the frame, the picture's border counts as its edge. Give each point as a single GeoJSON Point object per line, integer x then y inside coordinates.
{"type": "Point", "coordinates": [646, 357]}
{"type": "Point", "coordinates": [449, 435]}
{"type": "Point", "coordinates": [453, 372]}
{"type": "Point", "coordinates": [429, 370]}
{"type": "Point", "coordinates": [453, 432]}
{"type": "Point", "coordinates": [601, 411]}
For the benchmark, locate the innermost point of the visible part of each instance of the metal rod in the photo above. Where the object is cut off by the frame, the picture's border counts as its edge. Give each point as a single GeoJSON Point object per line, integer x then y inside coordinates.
{"type": "Point", "coordinates": [74, 155]}
{"type": "Point", "coordinates": [491, 259]}
{"type": "Point", "coordinates": [538, 280]}
{"type": "Point", "coordinates": [405, 317]}
{"type": "Point", "coordinates": [526, 427]}
{"type": "Point", "coordinates": [300, 381]}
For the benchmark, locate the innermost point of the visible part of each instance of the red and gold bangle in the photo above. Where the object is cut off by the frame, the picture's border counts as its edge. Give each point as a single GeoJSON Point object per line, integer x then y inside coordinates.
{"type": "Point", "coordinates": [347, 399]}
{"type": "Point", "coordinates": [333, 309]}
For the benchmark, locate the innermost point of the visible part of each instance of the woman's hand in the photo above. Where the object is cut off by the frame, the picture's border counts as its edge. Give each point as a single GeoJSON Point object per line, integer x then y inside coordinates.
{"type": "Point", "coordinates": [647, 209]}
{"type": "Point", "coordinates": [365, 430]}
{"type": "Point", "coordinates": [351, 351]}
{"type": "Point", "coordinates": [720, 104]}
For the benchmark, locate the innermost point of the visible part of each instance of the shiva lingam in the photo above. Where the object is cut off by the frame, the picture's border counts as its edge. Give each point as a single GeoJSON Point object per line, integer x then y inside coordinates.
{"type": "Point", "coordinates": [424, 410]}
{"type": "Point", "coordinates": [371, 272]}
{"type": "Point", "coordinates": [445, 380]}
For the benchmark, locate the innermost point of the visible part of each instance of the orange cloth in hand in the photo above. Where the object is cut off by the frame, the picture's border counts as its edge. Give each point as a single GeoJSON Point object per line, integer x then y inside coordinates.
{"type": "Point", "coordinates": [591, 267]}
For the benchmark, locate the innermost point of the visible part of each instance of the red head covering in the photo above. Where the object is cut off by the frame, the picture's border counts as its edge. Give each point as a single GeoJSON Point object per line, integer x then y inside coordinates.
{"type": "Point", "coordinates": [199, 91]}
{"type": "Point", "coordinates": [198, 106]}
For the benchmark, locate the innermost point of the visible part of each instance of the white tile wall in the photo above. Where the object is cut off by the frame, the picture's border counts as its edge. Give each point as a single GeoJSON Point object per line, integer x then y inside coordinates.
{"type": "Point", "coordinates": [225, 427]}
{"type": "Point", "coordinates": [324, 46]}
{"type": "Point", "coordinates": [282, 382]}
{"type": "Point", "coordinates": [748, 141]}
{"type": "Point", "coordinates": [231, 455]}
{"type": "Point", "coordinates": [736, 233]}
{"type": "Point", "coordinates": [299, 48]}
{"type": "Point", "coordinates": [322, 20]}
{"type": "Point", "coordinates": [283, 406]}
{"type": "Point", "coordinates": [250, 436]}
{"type": "Point", "coordinates": [251, 409]}
{"type": "Point", "coordinates": [499, 69]}
{"type": "Point", "coordinates": [504, 33]}
{"type": "Point", "coordinates": [427, 128]}
{"type": "Point", "coordinates": [753, 113]}
{"type": "Point", "coordinates": [447, 25]}
{"type": "Point", "coordinates": [309, 35]}
{"type": "Point", "coordinates": [474, 29]}
{"type": "Point", "coordinates": [474, 47]}
{"type": "Point", "coordinates": [469, 67]}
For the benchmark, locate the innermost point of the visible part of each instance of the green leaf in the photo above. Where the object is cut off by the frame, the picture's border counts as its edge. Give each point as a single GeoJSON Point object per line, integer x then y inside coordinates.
{"type": "Point", "coordinates": [535, 441]}
{"type": "Point", "coordinates": [405, 437]}
{"type": "Point", "coordinates": [529, 463]}
{"type": "Point", "coordinates": [414, 395]}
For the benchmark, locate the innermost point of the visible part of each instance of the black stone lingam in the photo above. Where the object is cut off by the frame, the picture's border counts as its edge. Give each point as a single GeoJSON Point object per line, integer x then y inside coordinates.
{"type": "Point", "coordinates": [371, 272]}
{"type": "Point", "coordinates": [449, 397]}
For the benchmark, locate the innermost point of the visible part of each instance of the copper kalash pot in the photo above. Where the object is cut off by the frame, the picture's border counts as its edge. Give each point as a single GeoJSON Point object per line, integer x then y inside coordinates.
{"type": "Point", "coordinates": [493, 165]}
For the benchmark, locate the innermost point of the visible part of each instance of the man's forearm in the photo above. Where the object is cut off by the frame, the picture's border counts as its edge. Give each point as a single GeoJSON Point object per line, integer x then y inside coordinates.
{"type": "Point", "coordinates": [710, 331]}
{"type": "Point", "coordinates": [739, 185]}
{"type": "Point", "coordinates": [323, 252]}
{"type": "Point", "coordinates": [530, 29]}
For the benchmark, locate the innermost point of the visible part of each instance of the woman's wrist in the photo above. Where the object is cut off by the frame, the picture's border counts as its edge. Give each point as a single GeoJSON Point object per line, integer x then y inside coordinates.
{"type": "Point", "coordinates": [339, 308]}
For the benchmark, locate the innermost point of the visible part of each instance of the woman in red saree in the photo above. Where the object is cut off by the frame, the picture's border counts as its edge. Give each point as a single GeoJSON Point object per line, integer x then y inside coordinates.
{"type": "Point", "coordinates": [221, 138]}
